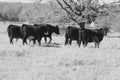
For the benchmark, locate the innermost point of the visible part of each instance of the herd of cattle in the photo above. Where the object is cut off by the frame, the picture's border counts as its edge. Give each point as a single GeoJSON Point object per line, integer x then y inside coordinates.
{"type": "Point", "coordinates": [37, 31]}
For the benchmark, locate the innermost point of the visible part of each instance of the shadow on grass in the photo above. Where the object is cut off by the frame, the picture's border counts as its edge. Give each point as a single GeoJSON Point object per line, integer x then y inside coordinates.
{"type": "Point", "coordinates": [113, 36]}
{"type": "Point", "coordinates": [57, 45]}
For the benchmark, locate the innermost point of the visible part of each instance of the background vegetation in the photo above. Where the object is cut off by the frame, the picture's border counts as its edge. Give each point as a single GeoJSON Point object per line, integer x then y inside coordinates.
{"type": "Point", "coordinates": [52, 13]}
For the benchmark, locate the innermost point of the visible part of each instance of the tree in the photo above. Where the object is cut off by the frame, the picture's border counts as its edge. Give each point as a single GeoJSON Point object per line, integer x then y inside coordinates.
{"type": "Point", "coordinates": [84, 10]}
{"type": "Point", "coordinates": [81, 10]}
{"type": "Point", "coordinates": [10, 11]}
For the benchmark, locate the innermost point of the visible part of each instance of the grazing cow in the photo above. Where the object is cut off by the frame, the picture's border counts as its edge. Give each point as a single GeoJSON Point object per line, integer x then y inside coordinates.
{"type": "Point", "coordinates": [14, 32]}
{"type": "Point", "coordinates": [93, 35]}
{"type": "Point", "coordinates": [38, 31]}
{"type": "Point", "coordinates": [72, 33]}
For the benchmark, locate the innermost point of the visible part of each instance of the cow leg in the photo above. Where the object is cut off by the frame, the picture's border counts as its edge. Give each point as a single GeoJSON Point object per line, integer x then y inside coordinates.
{"type": "Point", "coordinates": [85, 44]}
{"type": "Point", "coordinates": [34, 42]}
{"type": "Point", "coordinates": [45, 39]}
{"type": "Point", "coordinates": [70, 42]}
{"type": "Point", "coordinates": [98, 44]}
{"type": "Point", "coordinates": [30, 41]}
{"type": "Point", "coordinates": [24, 40]}
{"type": "Point", "coordinates": [79, 38]}
{"type": "Point", "coordinates": [11, 40]}
{"type": "Point", "coordinates": [95, 44]}
{"type": "Point", "coordinates": [95, 41]}
{"type": "Point", "coordinates": [78, 42]}
{"type": "Point", "coordinates": [66, 41]}
{"type": "Point", "coordinates": [39, 41]}
{"type": "Point", "coordinates": [50, 39]}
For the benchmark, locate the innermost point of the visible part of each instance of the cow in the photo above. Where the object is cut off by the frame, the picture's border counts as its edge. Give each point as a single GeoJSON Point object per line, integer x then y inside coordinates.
{"type": "Point", "coordinates": [72, 33]}
{"type": "Point", "coordinates": [14, 32]}
{"type": "Point", "coordinates": [38, 31]}
{"type": "Point", "coordinates": [47, 31]}
{"type": "Point", "coordinates": [44, 36]}
{"type": "Point", "coordinates": [93, 35]}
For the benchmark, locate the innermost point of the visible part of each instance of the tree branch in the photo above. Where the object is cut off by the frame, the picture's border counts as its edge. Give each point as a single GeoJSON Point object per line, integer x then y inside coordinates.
{"type": "Point", "coordinates": [62, 7]}
{"type": "Point", "coordinates": [68, 6]}
{"type": "Point", "coordinates": [70, 13]}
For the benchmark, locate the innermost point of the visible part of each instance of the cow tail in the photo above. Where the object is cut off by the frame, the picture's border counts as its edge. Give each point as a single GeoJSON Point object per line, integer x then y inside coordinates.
{"type": "Point", "coordinates": [83, 40]}
{"type": "Point", "coordinates": [8, 30]}
{"type": "Point", "coordinates": [21, 29]}
{"type": "Point", "coordinates": [69, 32]}
{"type": "Point", "coordinates": [67, 36]}
{"type": "Point", "coordinates": [80, 37]}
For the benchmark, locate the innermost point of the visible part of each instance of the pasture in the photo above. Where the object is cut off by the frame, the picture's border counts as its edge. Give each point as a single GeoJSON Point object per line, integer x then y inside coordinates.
{"type": "Point", "coordinates": [57, 61]}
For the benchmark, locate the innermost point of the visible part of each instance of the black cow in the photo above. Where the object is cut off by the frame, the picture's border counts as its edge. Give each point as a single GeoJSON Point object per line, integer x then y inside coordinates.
{"type": "Point", "coordinates": [93, 35]}
{"type": "Point", "coordinates": [72, 33]}
{"type": "Point", "coordinates": [27, 32]}
{"type": "Point", "coordinates": [47, 31]}
{"type": "Point", "coordinates": [44, 36]}
{"type": "Point", "coordinates": [38, 31]}
{"type": "Point", "coordinates": [14, 32]}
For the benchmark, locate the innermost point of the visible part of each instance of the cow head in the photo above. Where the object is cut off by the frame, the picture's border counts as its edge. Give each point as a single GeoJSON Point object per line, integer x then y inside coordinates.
{"type": "Point", "coordinates": [105, 30]}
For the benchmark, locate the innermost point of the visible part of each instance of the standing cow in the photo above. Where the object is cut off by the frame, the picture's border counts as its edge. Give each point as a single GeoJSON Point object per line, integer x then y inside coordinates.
{"type": "Point", "coordinates": [72, 33]}
{"type": "Point", "coordinates": [14, 32]}
{"type": "Point", "coordinates": [93, 35]}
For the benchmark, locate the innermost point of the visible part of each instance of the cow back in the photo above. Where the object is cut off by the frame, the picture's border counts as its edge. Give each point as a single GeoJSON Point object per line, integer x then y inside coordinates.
{"type": "Point", "coordinates": [46, 28]}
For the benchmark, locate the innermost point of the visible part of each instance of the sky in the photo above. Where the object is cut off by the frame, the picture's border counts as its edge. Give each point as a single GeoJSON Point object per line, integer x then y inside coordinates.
{"type": "Point", "coordinates": [28, 1]}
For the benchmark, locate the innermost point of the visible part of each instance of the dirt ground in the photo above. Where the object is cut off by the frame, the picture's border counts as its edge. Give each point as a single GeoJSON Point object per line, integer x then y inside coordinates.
{"type": "Point", "coordinates": [59, 62]}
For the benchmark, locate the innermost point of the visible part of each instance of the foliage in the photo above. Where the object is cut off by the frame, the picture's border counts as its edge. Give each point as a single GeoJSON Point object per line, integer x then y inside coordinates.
{"type": "Point", "coordinates": [54, 14]}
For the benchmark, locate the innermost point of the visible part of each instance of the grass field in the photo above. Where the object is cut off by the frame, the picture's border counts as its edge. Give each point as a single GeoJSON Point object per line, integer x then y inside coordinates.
{"type": "Point", "coordinates": [58, 62]}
